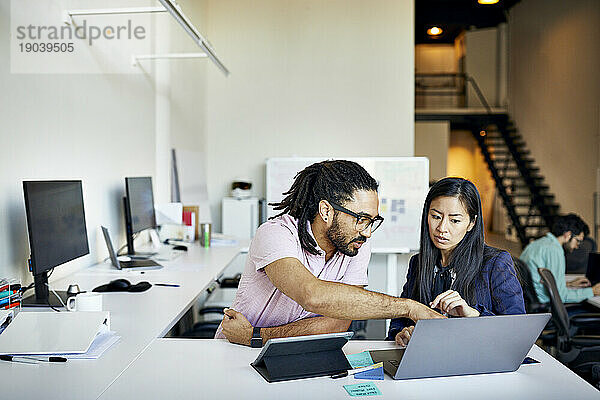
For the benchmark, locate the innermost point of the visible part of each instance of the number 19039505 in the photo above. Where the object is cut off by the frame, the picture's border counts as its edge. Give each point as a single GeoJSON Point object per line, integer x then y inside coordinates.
{"type": "Point", "coordinates": [46, 47]}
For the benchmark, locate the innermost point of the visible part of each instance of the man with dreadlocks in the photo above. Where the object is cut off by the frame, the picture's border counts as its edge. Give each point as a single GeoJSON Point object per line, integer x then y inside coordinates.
{"type": "Point", "coordinates": [306, 267]}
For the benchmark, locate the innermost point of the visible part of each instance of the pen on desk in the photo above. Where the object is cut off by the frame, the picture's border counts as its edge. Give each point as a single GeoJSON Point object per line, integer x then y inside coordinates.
{"type": "Point", "coordinates": [166, 284]}
{"type": "Point", "coordinates": [356, 371]}
{"type": "Point", "coordinates": [33, 359]}
{"type": "Point", "coordinates": [52, 359]}
{"type": "Point", "coordinates": [16, 360]}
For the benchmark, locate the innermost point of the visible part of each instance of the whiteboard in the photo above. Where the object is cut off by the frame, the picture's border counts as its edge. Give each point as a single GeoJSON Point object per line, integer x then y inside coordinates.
{"type": "Point", "coordinates": [403, 185]}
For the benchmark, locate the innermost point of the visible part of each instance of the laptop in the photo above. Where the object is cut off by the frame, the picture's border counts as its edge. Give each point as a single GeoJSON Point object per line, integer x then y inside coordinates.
{"type": "Point", "coordinates": [593, 268]}
{"type": "Point", "coordinates": [138, 264]}
{"type": "Point", "coordinates": [463, 346]}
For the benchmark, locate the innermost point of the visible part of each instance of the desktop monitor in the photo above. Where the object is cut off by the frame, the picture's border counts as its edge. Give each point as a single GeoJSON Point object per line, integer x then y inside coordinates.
{"type": "Point", "coordinates": [139, 208]}
{"type": "Point", "coordinates": [57, 231]}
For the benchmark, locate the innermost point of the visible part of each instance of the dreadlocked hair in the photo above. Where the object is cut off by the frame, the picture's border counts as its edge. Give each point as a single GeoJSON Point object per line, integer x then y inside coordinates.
{"type": "Point", "coordinates": [334, 180]}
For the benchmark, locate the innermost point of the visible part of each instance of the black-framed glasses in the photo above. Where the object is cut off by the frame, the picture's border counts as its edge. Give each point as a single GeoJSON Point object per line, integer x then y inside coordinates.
{"type": "Point", "coordinates": [579, 241]}
{"type": "Point", "coordinates": [363, 222]}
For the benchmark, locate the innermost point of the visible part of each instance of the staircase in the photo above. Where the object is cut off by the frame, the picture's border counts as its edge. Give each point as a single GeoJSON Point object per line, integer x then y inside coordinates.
{"type": "Point", "coordinates": [526, 197]}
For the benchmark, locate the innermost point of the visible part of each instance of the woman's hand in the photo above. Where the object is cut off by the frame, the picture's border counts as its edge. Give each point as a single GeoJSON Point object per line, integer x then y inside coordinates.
{"type": "Point", "coordinates": [403, 336]}
{"type": "Point", "coordinates": [451, 303]}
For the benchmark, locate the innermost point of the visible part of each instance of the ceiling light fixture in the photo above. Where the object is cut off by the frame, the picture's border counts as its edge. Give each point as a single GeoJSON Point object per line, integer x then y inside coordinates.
{"type": "Point", "coordinates": [487, 2]}
{"type": "Point", "coordinates": [174, 9]}
{"type": "Point", "coordinates": [434, 31]}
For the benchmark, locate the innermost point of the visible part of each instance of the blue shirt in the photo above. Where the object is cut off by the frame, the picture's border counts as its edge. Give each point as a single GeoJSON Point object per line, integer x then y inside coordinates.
{"type": "Point", "coordinates": [547, 252]}
{"type": "Point", "coordinates": [497, 289]}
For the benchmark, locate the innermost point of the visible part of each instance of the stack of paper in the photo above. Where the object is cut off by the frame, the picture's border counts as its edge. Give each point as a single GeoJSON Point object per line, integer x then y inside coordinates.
{"type": "Point", "coordinates": [46, 333]}
{"type": "Point", "coordinates": [101, 343]}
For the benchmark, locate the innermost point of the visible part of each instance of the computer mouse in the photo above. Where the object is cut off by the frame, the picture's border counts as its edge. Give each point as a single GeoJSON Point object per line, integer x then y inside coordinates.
{"type": "Point", "coordinates": [180, 247]}
{"type": "Point", "coordinates": [124, 258]}
{"type": "Point", "coordinates": [140, 287]}
{"type": "Point", "coordinates": [118, 285]}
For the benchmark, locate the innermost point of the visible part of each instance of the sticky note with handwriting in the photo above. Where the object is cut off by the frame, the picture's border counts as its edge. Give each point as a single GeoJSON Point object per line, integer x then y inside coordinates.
{"type": "Point", "coordinates": [362, 389]}
{"type": "Point", "coordinates": [359, 360]}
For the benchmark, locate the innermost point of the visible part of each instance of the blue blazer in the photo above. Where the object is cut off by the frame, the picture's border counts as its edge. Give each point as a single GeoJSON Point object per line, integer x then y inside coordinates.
{"type": "Point", "coordinates": [497, 289]}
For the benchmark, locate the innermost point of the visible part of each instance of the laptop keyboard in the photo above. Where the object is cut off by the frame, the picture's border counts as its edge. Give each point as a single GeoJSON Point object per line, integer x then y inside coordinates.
{"type": "Point", "coordinates": [395, 363]}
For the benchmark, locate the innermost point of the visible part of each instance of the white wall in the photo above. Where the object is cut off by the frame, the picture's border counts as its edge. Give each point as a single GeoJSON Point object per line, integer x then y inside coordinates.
{"type": "Point", "coordinates": [481, 63]}
{"type": "Point", "coordinates": [435, 58]}
{"type": "Point", "coordinates": [554, 89]}
{"type": "Point", "coordinates": [308, 78]}
{"type": "Point", "coordinates": [97, 128]}
{"type": "Point", "coordinates": [187, 83]}
{"type": "Point", "coordinates": [432, 140]}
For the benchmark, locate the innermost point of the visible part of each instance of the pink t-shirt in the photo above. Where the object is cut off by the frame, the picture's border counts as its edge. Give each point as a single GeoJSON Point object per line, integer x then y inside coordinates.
{"type": "Point", "coordinates": [260, 301]}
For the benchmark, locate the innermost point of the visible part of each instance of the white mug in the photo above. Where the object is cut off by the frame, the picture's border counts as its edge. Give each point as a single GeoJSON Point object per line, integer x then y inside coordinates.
{"type": "Point", "coordinates": [89, 301]}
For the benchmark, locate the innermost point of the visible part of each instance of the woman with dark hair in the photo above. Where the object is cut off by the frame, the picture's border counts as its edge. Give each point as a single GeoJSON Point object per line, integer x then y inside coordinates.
{"type": "Point", "coordinates": [455, 271]}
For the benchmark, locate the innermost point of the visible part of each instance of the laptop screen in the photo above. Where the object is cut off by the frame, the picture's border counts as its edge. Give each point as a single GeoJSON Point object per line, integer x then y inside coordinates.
{"type": "Point", "coordinates": [593, 268]}
{"type": "Point", "coordinates": [111, 250]}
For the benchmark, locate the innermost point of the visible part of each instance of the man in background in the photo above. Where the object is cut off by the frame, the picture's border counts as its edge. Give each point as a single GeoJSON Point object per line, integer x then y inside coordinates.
{"type": "Point", "coordinates": [549, 251]}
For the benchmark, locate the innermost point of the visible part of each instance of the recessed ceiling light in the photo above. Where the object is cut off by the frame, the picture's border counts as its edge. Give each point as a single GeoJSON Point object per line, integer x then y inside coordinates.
{"type": "Point", "coordinates": [487, 1]}
{"type": "Point", "coordinates": [434, 31]}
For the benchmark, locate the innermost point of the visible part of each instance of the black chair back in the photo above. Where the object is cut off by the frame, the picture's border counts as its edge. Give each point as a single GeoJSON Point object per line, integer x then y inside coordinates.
{"type": "Point", "coordinates": [526, 282]}
{"type": "Point", "coordinates": [559, 311]}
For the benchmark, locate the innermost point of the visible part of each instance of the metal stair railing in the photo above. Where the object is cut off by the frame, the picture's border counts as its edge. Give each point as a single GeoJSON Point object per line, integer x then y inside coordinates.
{"type": "Point", "coordinates": [539, 212]}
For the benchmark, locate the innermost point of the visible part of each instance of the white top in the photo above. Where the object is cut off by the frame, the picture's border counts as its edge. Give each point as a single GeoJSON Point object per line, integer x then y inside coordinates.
{"type": "Point", "coordinates": [139, 318]}
{"type": "Point", "coordinates": [216, 369]}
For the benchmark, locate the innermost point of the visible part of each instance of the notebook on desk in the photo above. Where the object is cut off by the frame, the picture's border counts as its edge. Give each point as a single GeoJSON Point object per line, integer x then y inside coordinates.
{"type": "Point", "coordinates": [463, 346]}
{"type": "Point", "coordinates": [52, 332]}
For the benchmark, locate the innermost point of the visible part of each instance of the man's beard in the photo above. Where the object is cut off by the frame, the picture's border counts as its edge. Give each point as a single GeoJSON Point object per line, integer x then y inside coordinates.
{"type": "Point", "coordinates": [340, 241]}
{"type": "Point", "coordinates": [567, 249]}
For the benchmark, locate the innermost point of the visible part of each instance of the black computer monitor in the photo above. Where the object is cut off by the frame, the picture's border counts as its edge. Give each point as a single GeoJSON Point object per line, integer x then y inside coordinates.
{"type": "Point", "coordinates": [57, 232]}
{"type": "Point", "coordinates": [139, 209]}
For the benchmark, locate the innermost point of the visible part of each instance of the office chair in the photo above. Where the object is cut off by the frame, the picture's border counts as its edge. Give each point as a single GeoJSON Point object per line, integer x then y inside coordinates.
{"type": "Point", "coordinates": [576, 349]}
{"type": "Point", "coordinates": [207, 328]}
{"type": "Point", "coordinates": [532, 304]}
{"type": "Point", "coordinates": [577, 260]}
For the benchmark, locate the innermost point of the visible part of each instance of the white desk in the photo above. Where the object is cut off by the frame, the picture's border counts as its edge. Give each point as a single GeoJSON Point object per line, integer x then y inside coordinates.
{"type": "Point", "coordinates": [216, 369]}
{"type": "Point", "coordinates": [139, 318]}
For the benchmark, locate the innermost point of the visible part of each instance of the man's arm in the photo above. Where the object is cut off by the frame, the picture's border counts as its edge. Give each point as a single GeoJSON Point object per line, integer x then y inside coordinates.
{"type": "Point", "coordinates": [237, 329]}
{"type": "Point", "coordinates": [555, 261]}
{"type": "Point", "coordinates": [339, 300]}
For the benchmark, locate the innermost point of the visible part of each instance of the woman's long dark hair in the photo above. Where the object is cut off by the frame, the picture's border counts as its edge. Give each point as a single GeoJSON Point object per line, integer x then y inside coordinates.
{"type": "Point", "coordinates": [467, 257]}
{"type": "Point", "coordinates": [334, 180]}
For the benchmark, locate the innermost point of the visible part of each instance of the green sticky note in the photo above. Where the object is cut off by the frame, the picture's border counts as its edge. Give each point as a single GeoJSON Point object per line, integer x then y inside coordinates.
{"type": "Point", "coordinates": [359, 360]}
{"type": "Point", "coordinates": [362, 389]}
